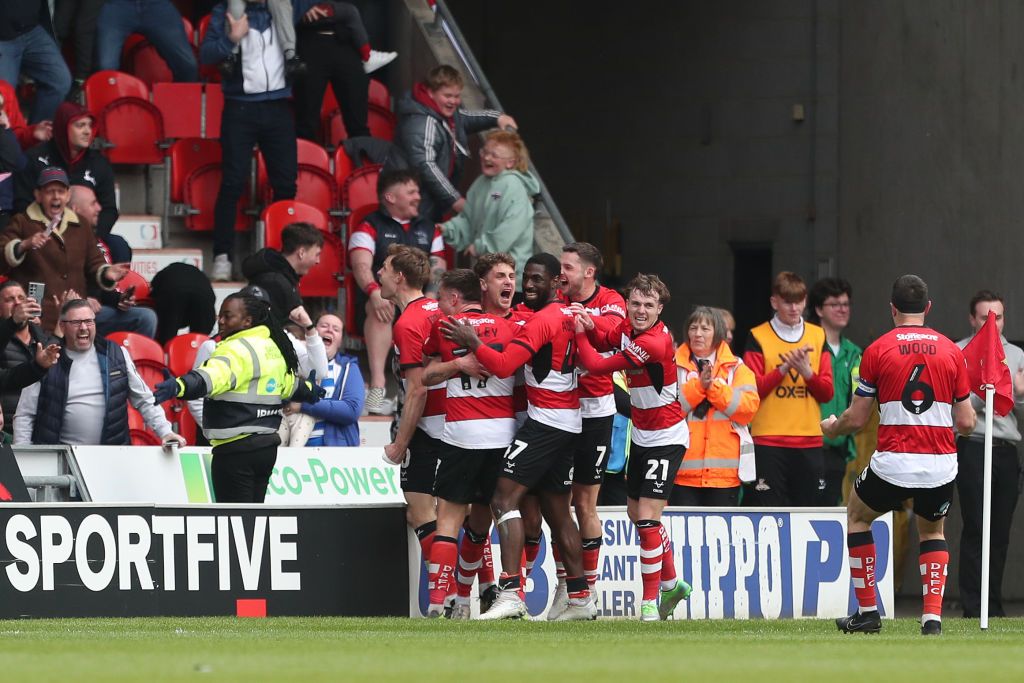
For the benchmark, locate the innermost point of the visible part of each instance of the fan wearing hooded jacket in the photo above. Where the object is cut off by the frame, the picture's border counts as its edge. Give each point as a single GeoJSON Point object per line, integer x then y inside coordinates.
{"type": "Point", "coordinates": [74, 128]}
{"type": "Point", "coordinates": [432, 138]}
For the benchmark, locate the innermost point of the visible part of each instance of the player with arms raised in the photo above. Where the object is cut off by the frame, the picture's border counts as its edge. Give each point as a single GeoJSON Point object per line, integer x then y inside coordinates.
{"type": "Point", "coordinates": [919, 378]}
{"type": "Point", "coordinates": [660, 435]}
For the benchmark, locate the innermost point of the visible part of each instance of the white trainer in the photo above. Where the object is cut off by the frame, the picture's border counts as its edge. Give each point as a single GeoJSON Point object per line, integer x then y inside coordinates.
{"type": "Point", "coordinates": [507, 606]}
{"type": "Point", "coordinates": [221, 271]}
{"type": "Point", "coordinates": [559, 601]}
{"type": "Point", "coordinates": [578, 609]}
{"type": "Point", "coordinates": [375, 403]}
{"type": "Point", "coordinates": [377, 60]}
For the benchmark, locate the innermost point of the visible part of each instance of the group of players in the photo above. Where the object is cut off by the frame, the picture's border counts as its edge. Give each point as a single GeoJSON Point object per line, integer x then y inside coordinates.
{"type": "Point", "coordinates": [507, 418]}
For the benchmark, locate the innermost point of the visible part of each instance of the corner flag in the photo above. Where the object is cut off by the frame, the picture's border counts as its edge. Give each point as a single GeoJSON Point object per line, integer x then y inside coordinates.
{"type": "Point", "coordinates": [986, 366]}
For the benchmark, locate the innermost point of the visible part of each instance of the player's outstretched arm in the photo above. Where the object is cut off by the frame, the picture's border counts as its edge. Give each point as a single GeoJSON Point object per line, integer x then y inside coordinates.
{"type": "Point", "coordinates": [964, 417]}
{"type": "Point", "coordinates": [596, 364]}
{"type": "Point", "coordinates": [852, 420]}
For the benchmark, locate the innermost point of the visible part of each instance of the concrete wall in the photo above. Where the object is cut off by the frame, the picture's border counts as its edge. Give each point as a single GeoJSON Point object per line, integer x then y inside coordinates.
{"type": "Point", "coordinates": [674, 121]}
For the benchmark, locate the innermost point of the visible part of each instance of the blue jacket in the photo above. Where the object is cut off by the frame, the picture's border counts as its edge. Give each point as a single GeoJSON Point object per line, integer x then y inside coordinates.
{"type": "Point", "coordinates": [53, 395]}
{"type": "Point", "coordinates": [217, 47]}
{"type": "Point", "coordinates": [342, 409]}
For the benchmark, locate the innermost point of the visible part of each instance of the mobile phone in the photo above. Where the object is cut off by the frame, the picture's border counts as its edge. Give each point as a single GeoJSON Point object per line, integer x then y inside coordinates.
{"type": "Point", "coordinates": [128, 293]}
{"type": "Point", "coordinates": [36, 290]}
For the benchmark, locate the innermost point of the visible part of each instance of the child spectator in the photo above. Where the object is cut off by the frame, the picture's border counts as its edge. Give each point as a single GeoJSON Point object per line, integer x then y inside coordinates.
{"type": "Point", "coordinates": [433, 138]}
{"type": "Point", "coordinates": [498, 215]}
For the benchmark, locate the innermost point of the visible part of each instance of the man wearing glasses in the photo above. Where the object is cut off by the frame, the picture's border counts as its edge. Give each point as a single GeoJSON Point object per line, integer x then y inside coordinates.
{"type": "Point", "coordinates": [83, 399]}
{"type": "Point", "coordinates": [830, 306]}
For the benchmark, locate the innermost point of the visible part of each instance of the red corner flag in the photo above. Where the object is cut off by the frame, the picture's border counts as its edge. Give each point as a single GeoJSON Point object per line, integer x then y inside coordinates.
{"type": "Point", "coordinates": [986, 364]}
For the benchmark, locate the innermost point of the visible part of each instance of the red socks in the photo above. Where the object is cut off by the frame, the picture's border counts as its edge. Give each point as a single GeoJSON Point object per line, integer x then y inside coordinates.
{"type": "Point", "coordinates": [862, 568]}
{"type": "Point", "coordinates": [934, 560]}
{"type": "Point", "coordinates": [668, 562]}
{"type": "Point", "coordinates": [651, 552]}
{"type": "Point", "coordinates": [444, 554]}
{"type": "Point", "coordinates": [486, 573]}
{"type": "Point", "coordinates": [556, 554]}
{"type": "Point", "coordinates": [426, 533]}
{"type": "Point", "coordinates": [532, 549]}
{"type": "Point", "coordinates": [471, 553]}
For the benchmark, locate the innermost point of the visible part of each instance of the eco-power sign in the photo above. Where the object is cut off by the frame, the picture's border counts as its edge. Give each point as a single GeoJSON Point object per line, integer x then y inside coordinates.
{"type": "Point", "coordinates": [743, 564]}
{"type": "Point", "coordinates": [301, 476]}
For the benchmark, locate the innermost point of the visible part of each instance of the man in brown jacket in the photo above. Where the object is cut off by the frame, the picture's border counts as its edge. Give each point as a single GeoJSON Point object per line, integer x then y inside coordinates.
{"type": "Point", "coordinates": [48, 244]}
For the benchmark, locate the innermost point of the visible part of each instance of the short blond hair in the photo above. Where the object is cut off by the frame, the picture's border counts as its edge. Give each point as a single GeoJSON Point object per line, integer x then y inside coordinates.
{"type": "Point", "coordinates": [515, 143]}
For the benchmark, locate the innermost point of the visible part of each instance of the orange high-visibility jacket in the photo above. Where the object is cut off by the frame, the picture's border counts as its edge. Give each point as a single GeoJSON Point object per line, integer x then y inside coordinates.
{"type": "Point", "coordinates": [712, 460]}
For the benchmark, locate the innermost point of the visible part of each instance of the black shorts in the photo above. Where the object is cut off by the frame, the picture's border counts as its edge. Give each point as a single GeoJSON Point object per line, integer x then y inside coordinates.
{"type": "Point", "coordinates": [540, 458]}
{"type": "Point", "coordinates": [881, 496]}
{"type": "Point", "coordinates": [420, 465]}
{"type": "Point", "coordinates": [652, 470]}
{"type": "Point", "coordinates": [592, 448]}
{"type": "Point", "coordinates": [467, 476]}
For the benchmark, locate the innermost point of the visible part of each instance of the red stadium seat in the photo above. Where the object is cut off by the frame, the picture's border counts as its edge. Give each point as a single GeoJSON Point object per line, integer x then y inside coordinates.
{"type": "Point", "coordinates": [195, 181]}
{"type": "Point", "coordinates": [138, 432]}
{"type": "Point", "coordinates": [140, 58]}
{"type": "Point", "coordinates": [214, 103]}
{"type": "Point", "coordinates": [359, 193]}
{"type": "Point", "coordinates": [141, 285]}
{"type": "Point", "coordinates": [181, 105]}
{"type": "Point", "coordinates": [381, 122]}
{"type": "Point", "coordinates": [279, 214]}
{"type": "Point", "coordinates": [379, 95]}
{"type": "Point", "coordinates": [343, 166]}
{"type": "Point", "coordinates": [181, 352]}
{"type": "Point", "coordinates": [131, 126]}
{"type": "Point", "coordinates": [314, 184]}
{"type": "Point", "coordinates": [181, 356]}
{"type": "Point", "coordinates": [141, 349]}
{"type": "Point", "coordinates": [207, 72]}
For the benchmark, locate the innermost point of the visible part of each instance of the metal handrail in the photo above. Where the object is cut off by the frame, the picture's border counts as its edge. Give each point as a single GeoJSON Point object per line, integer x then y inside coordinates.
{"type": "Point", "coordinates": [446, 23]}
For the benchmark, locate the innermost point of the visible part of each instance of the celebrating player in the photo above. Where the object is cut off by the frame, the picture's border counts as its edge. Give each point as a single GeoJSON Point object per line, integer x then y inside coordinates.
{"type": "Point", "coordinates": [660, 436]}
{"type": "Point", "coordinates": [540, 456]}
{"type": "Point", "coordinates": [919, 378]}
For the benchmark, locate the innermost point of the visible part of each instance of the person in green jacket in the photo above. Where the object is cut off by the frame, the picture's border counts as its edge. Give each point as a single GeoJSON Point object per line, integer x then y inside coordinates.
{"type": "Point", "coordinates": [248, 376]}
{"type": "Point", "coordinates": [498, 215]}
{"type": "Point", "coordinates": [830, 306]}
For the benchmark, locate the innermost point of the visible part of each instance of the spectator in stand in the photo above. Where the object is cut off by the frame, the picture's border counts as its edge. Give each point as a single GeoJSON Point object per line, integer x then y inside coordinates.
{"type": "Point", "coordinates": [336, 49]}
{"type": "Point", "coordinates": [28, 47]}
{"type": "Point", "coordinates": [337, 413]}
{"type": "Point", "coordinates": [256, 112]}
{"type": "Point", "coordinates": [718, 393]}
{"type": "Point", "coordinates": [83, 399]}
{"type": "Point", "coordinates": [433, 138]}
{"type": "Point", "coordinates": [115, 311]}
{"type": "Point", "coordinates": [77, 20]}
{"type": "Point", "coordinates": [830, 308]}
{"type": "Point", "coordinates": [182, 297]}
{"type": "Point", "coordinates": [47, 244]}
{"type": "Point", "coordinates": [1005, 473]}
{"type": "Point", "coordinates": [27, 351]}
{"type": "Point", "coordinates": [730, 324]}
{"type": "Point", "coordinates": [794, 377]}
{"type": "Point", "coordinates": [27, 135]}
{"type": "Point", "coordinates": [498, 214]}
{"type": "Point", "coordinates": [159, 21]}
{"type": "Point", "coordinates": [11, 159]}
{"type": "Point", "coordinates": [282, 14]}
{"type": "Point", "coordinates": [397, 221]}
{"type": "Point", "coordinates": [69, 149]}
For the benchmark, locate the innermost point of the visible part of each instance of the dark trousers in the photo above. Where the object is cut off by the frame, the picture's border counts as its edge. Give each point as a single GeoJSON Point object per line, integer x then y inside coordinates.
{"type": "Point", "coordinates": [695, 496]}
{"type": "Point", "coordinates": [786, 477]}
{"type": "Point", "coordinates": [329, 60]}
{"type": "Point", "coordinates": [242, 476]}
{"type": "Point", "coordinates": [1005, 478]}
{"type": "Point", "coordinates": [271, 126]}
{"type": "Point", "coordinates": [78, 18]}
{"type": "Point", "coordinates": [834, 463]}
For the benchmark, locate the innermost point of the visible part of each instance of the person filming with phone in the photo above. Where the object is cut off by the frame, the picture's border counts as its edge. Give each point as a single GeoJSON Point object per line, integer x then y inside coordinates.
{"type": "Point", "coordinates": [48, 244]}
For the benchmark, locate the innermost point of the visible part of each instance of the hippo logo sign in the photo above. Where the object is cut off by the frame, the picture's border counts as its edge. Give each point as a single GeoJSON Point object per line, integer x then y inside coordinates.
{"type": "Point", "coordinates": [742, 565]}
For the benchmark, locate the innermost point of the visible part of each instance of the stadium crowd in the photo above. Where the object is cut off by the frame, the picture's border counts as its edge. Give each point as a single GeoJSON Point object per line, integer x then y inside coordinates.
{"type": "Point", "coordinates": [528, 389]}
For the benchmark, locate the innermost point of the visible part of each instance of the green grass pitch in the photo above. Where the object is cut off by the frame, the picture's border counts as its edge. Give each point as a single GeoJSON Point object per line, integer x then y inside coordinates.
{"type": "Point", "coordinates": [336, 649]}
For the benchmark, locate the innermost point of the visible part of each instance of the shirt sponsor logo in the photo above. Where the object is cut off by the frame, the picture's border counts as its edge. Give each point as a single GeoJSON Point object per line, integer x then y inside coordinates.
{"type": "Point", "coordinates": [635, 349]}
{"type": "Point", "coordinates": [916, 336]}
